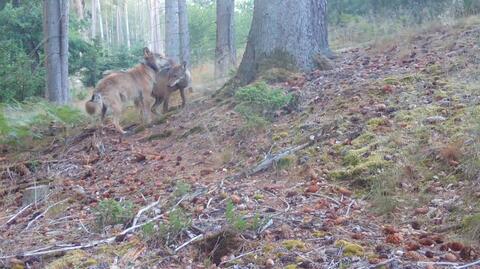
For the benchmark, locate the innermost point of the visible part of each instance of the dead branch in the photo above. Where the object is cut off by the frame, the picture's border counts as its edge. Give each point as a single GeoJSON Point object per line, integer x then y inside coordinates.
{"type": "Point", "coordinates": [42, 251]}
{"type": "Point", "coordinates": [270, 160]}
{"type": "Point", "coordinates": [468, 265]}
{"type": "Point", "coordinates": [141, 211]}
{"type": "Point", "coordinates": [17, 214]}
{"type": "Point", "coordinates": [42, 214]}
{"type": "Point", "coordinates": [196, 238]}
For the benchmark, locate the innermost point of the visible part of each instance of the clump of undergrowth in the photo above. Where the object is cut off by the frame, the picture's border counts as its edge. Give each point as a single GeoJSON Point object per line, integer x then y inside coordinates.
{"type": "Point", "coordinates": [261, 100]}
{"type": "Point", "coordinates": [382, 193]}
{"type": "Point", "coordinates": [166, 232]}
{"type": "Point", "coordinates": [112, 212]}
{"type": "Point", "coordinates": [471, 227]}
{"type": "Point", "coordinates": [257, 104]}
{"type": "Point", "coordinates": [238, 222]}
{"type": "Point", "coordinates": [35, 119]}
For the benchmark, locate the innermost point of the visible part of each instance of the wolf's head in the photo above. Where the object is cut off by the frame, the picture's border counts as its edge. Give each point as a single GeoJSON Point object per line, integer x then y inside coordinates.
{"type": "Point", "coordinates": [177, 74]}
{"type": "Point", "coordinates": [156, 61]}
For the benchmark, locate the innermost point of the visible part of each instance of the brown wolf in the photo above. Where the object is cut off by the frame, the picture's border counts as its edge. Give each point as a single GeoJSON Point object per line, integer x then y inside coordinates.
{"type": "Point", "coordinates": [177, 77]}
{"type": "Point", "coordinates": [117, 89]}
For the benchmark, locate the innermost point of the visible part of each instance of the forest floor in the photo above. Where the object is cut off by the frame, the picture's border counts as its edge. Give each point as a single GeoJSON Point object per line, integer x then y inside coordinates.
{"type": "Point", "coordinates": [382, 172]}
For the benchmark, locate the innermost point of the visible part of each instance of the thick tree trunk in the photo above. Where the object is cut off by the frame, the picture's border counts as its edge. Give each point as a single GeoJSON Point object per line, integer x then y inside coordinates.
{"type": "Point", "coordinates": [56, 50]}
{"type": "Point", "coordinates": [284, 33]}
{"type": "Point", "coordinates": [183, 31]}
{"type": "Point", "coordinates": [78, 4]}
{"type": "Point", "coordinates": [225, 51]}
{"type": "Point", "coordinates": [172, 40]}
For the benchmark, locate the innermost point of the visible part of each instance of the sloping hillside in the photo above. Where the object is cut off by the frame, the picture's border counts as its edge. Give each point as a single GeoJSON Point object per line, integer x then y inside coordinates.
{"type": "Point", "coordinates": [379, 167]}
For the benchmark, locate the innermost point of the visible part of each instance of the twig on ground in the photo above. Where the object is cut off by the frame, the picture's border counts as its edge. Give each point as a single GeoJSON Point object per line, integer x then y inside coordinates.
{"type": "Point", "coordinates": [382, 263]}
{"type": "Point", "coordinates": [349, 207]}
{"type": "Point", "coordinates": [467, 265]}
{"type": "Point", "coordinates": [196, 238]}
{"type": "Point", "coordinates": [141, 211]}
{"type": "Point", "coordinates": [439, 263]}
{"type": "Point", "coordinates": [30, 223]}
{"type": "Point", "coordinates": [40, 252]}
{"type": "Point", "coordinates": [270, 160]}
{"type": "Point", "coordinates": [239, 256]}
{"type": "Point", "coordinates": [327, 197]}
{"type": "Point", "coordinates": [265, 227]}
{"type": "Point", "coordinates": [18, 213]}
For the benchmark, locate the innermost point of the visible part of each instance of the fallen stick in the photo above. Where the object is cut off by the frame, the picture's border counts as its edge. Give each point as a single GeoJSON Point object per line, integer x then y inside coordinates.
{"type": "Point", "coordinates": [270, 160]}
{"type": "Point", "coordinates": [196, 238]}
{"type": "Point", "coordinates": [42, 214]}
{"type": "Point", "coordinates": [18, 213]}
{"type": "Point", "coordinates": [140, 212]}
{"type": "Point", "coordinates": [467, 265]}
{"type": "Point", "coordinates": [39, 252]}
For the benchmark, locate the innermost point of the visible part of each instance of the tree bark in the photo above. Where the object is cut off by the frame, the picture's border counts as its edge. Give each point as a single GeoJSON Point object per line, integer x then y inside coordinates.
{"type": "Point", "coordinates": [117, 10]}
{"type": "Point", "coordinates": [172, 40]}
{"type": "Point", "coordinates": [56, 50]}
{"type": "Point", "coordinates": [284, 33]}
{"type": "Point", "coordinates": [94, 19]}
{"type": "Point", "coordinates": [184, 35]}
{"type": "Point", "coordinates": [78, 4]}
{"type": "Point", "coordinates": [225, 51]}
{"type": "Point", "coordinates": [100, 19]}
{"type": "Point", "coordinates": [65, 8]}
{"type": "Point", "coordinates": [127, 27]}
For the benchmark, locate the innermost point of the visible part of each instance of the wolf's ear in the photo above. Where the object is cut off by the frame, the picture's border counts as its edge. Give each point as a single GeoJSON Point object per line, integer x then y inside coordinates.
{"type": "Point", "coordinates": [184, 65]}
{"type": "Point", "coordinates": [146, 52]}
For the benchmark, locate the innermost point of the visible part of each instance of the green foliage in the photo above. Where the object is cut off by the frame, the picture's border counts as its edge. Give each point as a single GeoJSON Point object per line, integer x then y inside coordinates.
{"type": "Point", "coordinates": [260, 100]}
{"type": "Point", "coordinates": [33, 119]}
{"type": "Point", "coordinates": [111, 212]}
{"type": "Point", "coordinates": [471, 226]}
{"type": "Point", "coordinates": [235, 220]}
{"type": "Point", "coordinates": [21, 68]}
{"type": "Point", "coordinates": [181, 188]}
{"type": "Point", "coordinates": [239, 222]}
{"type": "Point", "coordinates": [202, 27]}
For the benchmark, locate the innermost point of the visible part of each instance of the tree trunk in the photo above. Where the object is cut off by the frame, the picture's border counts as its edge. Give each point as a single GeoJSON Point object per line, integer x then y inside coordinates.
{"type": "Point", "coordinates": [284, 33]}
{"type": "Point", "coordinates": [225, 51]}
{"type": "Point", "coordinates": [172, 40]}
{"type": "Point", "coordinates": [100, 19]}
{"type": "Point", "coordinates": [65, 8]}
{"type": "Point", "coordinates": [94, 19]}
{"type": "Point", "coordinates": [78, 4]}
{"type": "Point", "coordinates": [184, 35]}
{"type": "Point", "coordinates": [117, 25]}
{"type": "Point", "coordinates": [127, 27]}
{"type": "Point", "coordinates": [56, 50]}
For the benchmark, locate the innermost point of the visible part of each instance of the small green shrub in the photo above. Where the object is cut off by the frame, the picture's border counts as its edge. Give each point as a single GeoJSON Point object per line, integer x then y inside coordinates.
{"type": "Point", "coordinates": [236, 221]}
{"type": "Point", "coordinates": [111, 212]}
{"type": "Point", "coordinates": [471, 226]}
{"type": "Point", "coordinates": [260, 100]}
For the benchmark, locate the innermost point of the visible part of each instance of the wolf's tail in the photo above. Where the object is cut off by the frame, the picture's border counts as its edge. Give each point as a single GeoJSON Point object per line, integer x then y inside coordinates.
{"type": "Point", "coordinates": [94, 105]}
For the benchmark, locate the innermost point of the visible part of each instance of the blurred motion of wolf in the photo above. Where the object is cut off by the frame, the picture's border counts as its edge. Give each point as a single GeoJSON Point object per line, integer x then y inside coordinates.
{"type": "Point", "coordinates": [117, 89]}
